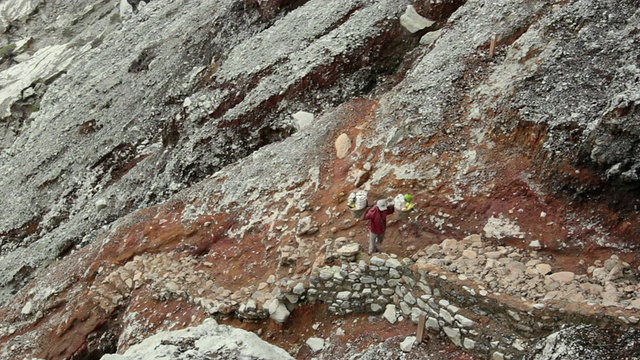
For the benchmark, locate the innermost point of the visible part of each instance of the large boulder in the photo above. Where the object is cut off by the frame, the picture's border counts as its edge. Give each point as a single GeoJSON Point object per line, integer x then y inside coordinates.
{"type": "Point", "coordinates": [207, 341]}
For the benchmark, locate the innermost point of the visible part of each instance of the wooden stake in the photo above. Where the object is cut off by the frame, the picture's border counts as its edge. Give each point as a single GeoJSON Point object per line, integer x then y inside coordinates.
{"type": "Point", "coordinates": [420, 333]}
{"type": "Point", "coordinates": [492, 48]}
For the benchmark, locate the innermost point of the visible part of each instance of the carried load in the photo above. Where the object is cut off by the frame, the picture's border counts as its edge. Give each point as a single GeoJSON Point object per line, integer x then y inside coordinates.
{"type": "Point", "coordinates": [357, 202]}
{"type": "Point", "coordinates": [403, 203]}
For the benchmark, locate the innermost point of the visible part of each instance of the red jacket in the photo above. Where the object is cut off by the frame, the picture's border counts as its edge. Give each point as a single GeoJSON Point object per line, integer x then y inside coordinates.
{"type": "Point", "coordinates": [378, 219]}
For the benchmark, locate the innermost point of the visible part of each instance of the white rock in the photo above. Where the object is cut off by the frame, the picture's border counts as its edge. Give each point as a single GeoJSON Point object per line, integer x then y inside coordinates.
{"type": "Point", "coordinates": [349, 250]}
{"type": "Point", "coordinates": [213, 341]}
{"type": "Point", "coordinates": [562, 277]}
{"type": "Point", "coordinates": [464, 322]}
{"type": "Point", "coordinates": [407, 344]}
{"type": "Point", "coordinates": [469, 344]}
{"type": "Point", "coordinates": [535, 244]}
{"type": "Point", "coordinates": [344, 295]}
{"type": "Point", "coordinates": [432, 324]}
{"type": "Point", "coordinates": [454, 335]}
{"type": "Point", "coordinates": [315, 344]}
{"type": "Point", "coordinates": [390, 314]}
{"type": "Point", "coordinates": [303, 119]}
{"type": "Point", "coordinates": [392, 263]}
{"type": "Point", "coordinates": [501, 227]}
{"type": "Point", "coordinates": [101, 204]}
{"type": "Point", "coordinates": [430, 38]}
{"type": "Point", "coordinates": [27, 309]}
{"type": "Point", "coordinates": [413, 21]}
{"type": "Point", "coordinates": [42, 66]}
{"type": "Point", "coordinates": [278, 311]}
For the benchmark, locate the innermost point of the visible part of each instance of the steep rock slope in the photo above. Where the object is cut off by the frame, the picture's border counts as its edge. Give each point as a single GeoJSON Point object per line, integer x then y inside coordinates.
{"type": "Point", "coordinates": [127, 135]}
{"type": "Point", "coordinates": [534, 145]}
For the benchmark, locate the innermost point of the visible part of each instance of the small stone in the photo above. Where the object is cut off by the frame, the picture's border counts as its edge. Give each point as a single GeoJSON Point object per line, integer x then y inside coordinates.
{"type": "Point", "coordinates": [393, 263]}
{"type": "Point", "coordinates": [349, 250]}
{"type": "Point", "coordinates": [101, 204]}
{"type": "Point", "coordinates": [278, 311]}
{"type": "Point", "coordinates": [432, 324]}
{"type": "Point", "coordinates": [409, 299]}
{"type": "Point", "coordinates": [315, 344]}
{"type": "Point", "coordinates": [469, 344]}
{"type": "Point", "coordinates": [562, 277]}
{"type": "Point", "coordinates": [172, 286]}
{"type": "Point", "coordinates": [299, 289]}
{"type": "Point", "coordinates": [449, 245]}
{"type": "Point", "coordinates": [444, 314]}
{"type": "Point", "coordinates": [376, 261]}
{"type": "Point", "coordinates": [497, 356]}
{"type": "Point", "coordinates": [543, 269]}
{"type": "Point", "coordinates": [454, 335]}
{"type": "Point", "coordinates": [344, 295]}
{"type": "Point", "coordinates": [407, 344]}
{"type": "Point", "coordinates": [251, 305]}
{"type": "Point", "coordinates": [27, 309]}
{"type": "Point", "coordinates": [390, 314]}
{"type": "Point", "coordinates": [464, 322]}
{"type": "Point", "coordinates": [414, 22]}
{"type": "Point", "coordinates": [303, 119]}
{"type": "Point", "coordinates": [535, 244]}
{"type": "Point", "coordinates": [470, 254]}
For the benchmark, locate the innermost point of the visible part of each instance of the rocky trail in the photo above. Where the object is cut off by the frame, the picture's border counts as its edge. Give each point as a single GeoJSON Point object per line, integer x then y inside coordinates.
{"type": "Point", "coordinates": [175, 174]}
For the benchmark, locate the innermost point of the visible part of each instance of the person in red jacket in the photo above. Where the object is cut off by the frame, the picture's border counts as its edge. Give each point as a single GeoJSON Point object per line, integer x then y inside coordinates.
{"type": "Point", "coordinates": [377, 216]}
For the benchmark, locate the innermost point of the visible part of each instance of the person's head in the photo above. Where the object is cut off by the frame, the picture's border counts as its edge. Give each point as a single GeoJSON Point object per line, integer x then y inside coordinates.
{"type": "Point", "coordinates": [382, 205]}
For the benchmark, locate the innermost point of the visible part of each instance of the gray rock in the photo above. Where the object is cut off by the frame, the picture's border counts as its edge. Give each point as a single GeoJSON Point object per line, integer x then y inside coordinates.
{"type": "Point", "coordinates": [410, 299]}
{"type": "Point", "coordinates": [454, 335]}
{"type": "Point", "coordinates": [278, 311]}
{"type": "Point", "coordinates": [405, 308]}
{"type": "Point", "coordinates": [432, 324]}
{"type": "Point", "coordinates": [464, 322]}
{"type": "Point", "coordinates": [349, 250]}
{"type": "Point", "coordinates": [377, 261]}
{"type": "Point", "coordinates": [27, 309]}
{"type": "Point", "coordinates": [429, 38]}
{"type": "Point", "coordinates": [101, 204]}
{"type": "Point", "coordinates": [393, 263]}
{"type": "Point", "coordinates": [343, 295]}
{"type": "Point", "coordinates": [444, 314]}
{"type": "Point", "coordinates": [407, 344]}
{"type": "Point", "coordinates": [390, 314]}
{"type": "Point", "coordinates": [469, 344]}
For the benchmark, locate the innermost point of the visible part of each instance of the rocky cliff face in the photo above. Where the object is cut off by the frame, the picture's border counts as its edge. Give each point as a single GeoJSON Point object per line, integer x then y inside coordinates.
{"type": "Point", "coordinates": [179, 161]}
